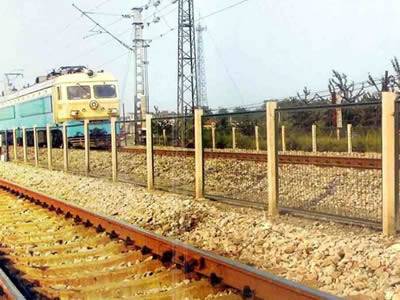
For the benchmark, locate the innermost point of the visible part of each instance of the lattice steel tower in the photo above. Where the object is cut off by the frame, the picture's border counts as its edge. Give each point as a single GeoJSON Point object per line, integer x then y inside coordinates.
{"type": "Point", "coordinates": [187, 73]}
{"type": "Point", "coordinates": [201, 67]}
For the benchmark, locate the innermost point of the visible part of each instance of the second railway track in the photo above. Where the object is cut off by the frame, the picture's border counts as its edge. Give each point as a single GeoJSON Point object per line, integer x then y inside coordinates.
{"type": "Point", "coordinates": [54, 250]}
{"type": "Point", "coordinates": [317, 160]}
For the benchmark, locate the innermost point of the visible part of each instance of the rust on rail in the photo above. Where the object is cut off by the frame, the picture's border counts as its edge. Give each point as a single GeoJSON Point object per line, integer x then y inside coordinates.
{"type": "Point", "coordinates": [321, 161]}
{"type": "Point", "coordinates": [252, 283]}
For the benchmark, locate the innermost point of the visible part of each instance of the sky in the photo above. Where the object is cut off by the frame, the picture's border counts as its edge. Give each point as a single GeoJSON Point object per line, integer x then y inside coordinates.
{"type": "Point", "coordinates": [258, 50]}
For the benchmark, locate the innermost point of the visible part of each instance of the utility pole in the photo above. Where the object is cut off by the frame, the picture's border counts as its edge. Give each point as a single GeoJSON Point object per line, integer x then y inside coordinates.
{"type": "Point", "coordinates": [187, 69]}
{"type": "Point", "coordinates": [141, 102]}
{"type": "Point", "coordinates": [201, 67]}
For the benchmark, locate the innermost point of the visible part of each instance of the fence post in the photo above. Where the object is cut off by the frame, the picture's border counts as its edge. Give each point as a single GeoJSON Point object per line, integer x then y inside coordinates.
{"type": "Point", "coordinates": [15, 144]}
{"type": "Point", "coordinates": [273, 187]}
{"type": "Point", "coordinates": [164, 134]}
{"type": "Point", "coordinates": [149, 153]}
{"type": "Point", "coordinates": [114, 149]}
{"type": "Point", "coordinates": [87, 145]}
{"type": "Point", "coordinates": [49, 147]}
{"type": "Point", "coordinates": [283, 133]}
{"type": "Point", "coordinates": [25, 151]}
{"type": "Point", "coordinates": [257, 139]}
{"type": "Point", "coordinates": [233, 138]}
{"type": "Point", "coordinates": [314, 138]}
{"type": "Point", "coordinates": [65, 146]}
{"type": "Point", "coordinates": [390, 163]}
{"type": "Point", "coordinates": [199, 160]}
{"type": "Point", "coordinates": [36, 145]}
{"type": "Point", "coordinates": [349, 138]}
{"type": "Point", "coordinates": [213, 138]}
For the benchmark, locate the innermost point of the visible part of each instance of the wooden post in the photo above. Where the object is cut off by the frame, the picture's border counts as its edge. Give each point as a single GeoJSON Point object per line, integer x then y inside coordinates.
{"type": "Point", "coordinates": [25, 151]}
{"type": "Point", "coordinates": [114, 149]}
{"type": "Point", "coordinates": [199, 160]}
{"type": "Point", "coordinates": [149, 153]}
{"type": "Point", "coordinates": [283, 133]}
{"type": "Point", "coordinates": [314, 138]}
{"type": "Point", "coordinates": [273, 187]}
{"type": "Point", "coordinates": [87, 146]}
{"type": "Point", "coordinates": [36, 145]}
{"type": "Point", "coordinates": [233, 138]}
{"type": "Point", "coordinates": [390, 163]}
{"type": "Point", "coordinates": [65, 146]}
{"type": "Point", "coordinates": [349, 138]}
{"type": "Point", "coordinates": [164, 134]}
{"type": "Point", "coordinates": [257, 139]}
{"type": "Point", "coordinates": [213, 138]}
{"type": "Point", "coordinates": [49, 147]}
{"type": "Point", "coordinates": [15, 144]}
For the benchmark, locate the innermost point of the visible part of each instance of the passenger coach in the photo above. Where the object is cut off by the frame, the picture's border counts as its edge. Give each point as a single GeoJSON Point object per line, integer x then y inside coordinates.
{"type": "Point", "coordinates": [70, 95]}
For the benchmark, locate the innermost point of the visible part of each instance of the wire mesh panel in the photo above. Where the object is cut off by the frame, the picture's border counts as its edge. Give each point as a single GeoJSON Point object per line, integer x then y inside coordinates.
{"type": "Point", "coordinates": [100, 161]}
{"type": "Point", "coordinates": [57, 149]}
{"type": "Point", "coordinates": [42, 146]}
{"type": "Point", "coordinates": [131, 152]}
{"type": "Point", "coordinates": [230, 177]}
{"type": "Point", "coordinates": [30, 151]}
{"type": "Point", "coordinates": [174, 165]}
{"type": "Point", "coordinates": [332, 188]}
{"type": "Point", "coordinates": [76, 146]}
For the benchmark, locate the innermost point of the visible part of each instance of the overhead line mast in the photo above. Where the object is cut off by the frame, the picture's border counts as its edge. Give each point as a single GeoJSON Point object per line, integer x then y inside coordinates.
{"type": "Point", "coordinates": [201, 67]}
{"type": "Point", "coordinates": [187, 93]}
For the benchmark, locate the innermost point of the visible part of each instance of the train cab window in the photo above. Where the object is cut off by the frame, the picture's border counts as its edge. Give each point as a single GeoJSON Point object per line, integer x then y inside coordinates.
{"type": "Point", "coordinates": [78, 92]}
{"type": "Point", "coordinates": [105, 91]}
{"type": "Point", "coordinates": [59, 93]}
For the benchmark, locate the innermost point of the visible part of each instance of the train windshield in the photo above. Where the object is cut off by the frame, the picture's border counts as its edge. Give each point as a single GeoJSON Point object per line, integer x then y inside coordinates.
{"type": "Point", "coordinates": [78, 92]}
{"type": "Point", "coordinates": [105, 91]}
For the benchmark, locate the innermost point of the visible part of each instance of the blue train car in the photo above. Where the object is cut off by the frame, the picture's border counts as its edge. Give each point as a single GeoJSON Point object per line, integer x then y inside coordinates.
{"type": "Point", "coordinates": [72, 95]}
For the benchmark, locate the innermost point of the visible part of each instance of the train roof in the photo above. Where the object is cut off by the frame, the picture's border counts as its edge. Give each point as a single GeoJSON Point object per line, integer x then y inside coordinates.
{"type": "Point", "coordinates": [60, 79]}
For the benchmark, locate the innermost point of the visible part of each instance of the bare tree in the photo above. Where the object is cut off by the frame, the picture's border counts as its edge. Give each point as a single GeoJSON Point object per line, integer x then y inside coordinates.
{"type": "Point", "coordinates": [340, 83]}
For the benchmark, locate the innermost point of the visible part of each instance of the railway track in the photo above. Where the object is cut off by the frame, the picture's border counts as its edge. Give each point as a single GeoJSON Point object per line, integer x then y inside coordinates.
{"type": "Point", "coordinates": [321, 161]}
{"type": "Point", "coordinates": [54, 250]}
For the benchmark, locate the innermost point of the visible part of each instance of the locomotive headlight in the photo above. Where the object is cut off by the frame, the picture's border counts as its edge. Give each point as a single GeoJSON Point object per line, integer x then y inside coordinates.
{"type": "Point", "coordinates": [74, 113]}
{"type": "Point", "coordinates": [112, 111]}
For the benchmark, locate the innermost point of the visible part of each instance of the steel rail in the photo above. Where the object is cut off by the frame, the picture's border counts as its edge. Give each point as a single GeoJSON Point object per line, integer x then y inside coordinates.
{"type": "Point", "coordinates": [8, 287]}
{"type": "Point", "coordinates": [317, 160]}
{"type": "Point", "coordinates": [252, 282]}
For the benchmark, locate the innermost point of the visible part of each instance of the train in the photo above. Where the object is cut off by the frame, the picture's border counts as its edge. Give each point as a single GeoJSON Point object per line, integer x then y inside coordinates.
{"type": "Point", "coordinates": [71, 94]}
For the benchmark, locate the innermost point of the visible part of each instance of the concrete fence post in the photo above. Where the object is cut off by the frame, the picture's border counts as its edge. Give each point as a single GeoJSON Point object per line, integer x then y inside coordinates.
{"type": "Point", "coordinates": [25, 151]}
{"type": "Point", "coordinates": [213, 138]}
{"type": "Point", "coordinates": [114, 158]}
{"type": "Point", "coordinates": [65, 146]}
{"type": "Point", "coordinates": [36, 145]}
{"type": "Point", "coordinates": [314, 138]}
{"type": "Point", "coordinates": [233, 138]}
{"type": "Point", "coordinates": [199, 159]}
{"type": "Point", "coordinates": [164, 134]}
{"type": "Point", "coordinates": [390, 163]}
{"type": "Point", "coordinates": [257, 138]}
{"type": "Point", "coordinates": [273, 187]}
{"type": "Point", "coordinates": [349, 138]}
{"type": "Point", "coordinates": [87, 146]}
{"type": "Point", "coordinates": [149, 153]}
{"type": "Point", "coordinates": [283, 133]}
{"type": "Point", "coordinates": [49, 139]}
{"type": "Point", "coordinates": [15, 144]}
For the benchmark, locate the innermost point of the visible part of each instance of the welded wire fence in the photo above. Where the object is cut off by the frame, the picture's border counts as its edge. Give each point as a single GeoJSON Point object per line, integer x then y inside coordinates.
{"type": "Point", "coordinates": [76, 145]}
{"type": "Point", "coordinates": [344, 192]}
{"type": "Point", "coordinates": [131, 155]}
{"type": "Point", "coordinates": [100, 160]}
{"type": "Point", "coordinates": [174, 170]}
{"type": "Point", "coordinates": [230, 178]}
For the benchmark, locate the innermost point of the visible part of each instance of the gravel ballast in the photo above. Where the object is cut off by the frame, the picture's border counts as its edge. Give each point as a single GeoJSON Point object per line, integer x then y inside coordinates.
{"type": "Point", "coordinates": [341, 259]}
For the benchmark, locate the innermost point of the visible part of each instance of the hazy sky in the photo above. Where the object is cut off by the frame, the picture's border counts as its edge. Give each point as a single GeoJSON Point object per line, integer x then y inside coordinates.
{"type": "Point", "coordinates": [259, 50]}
